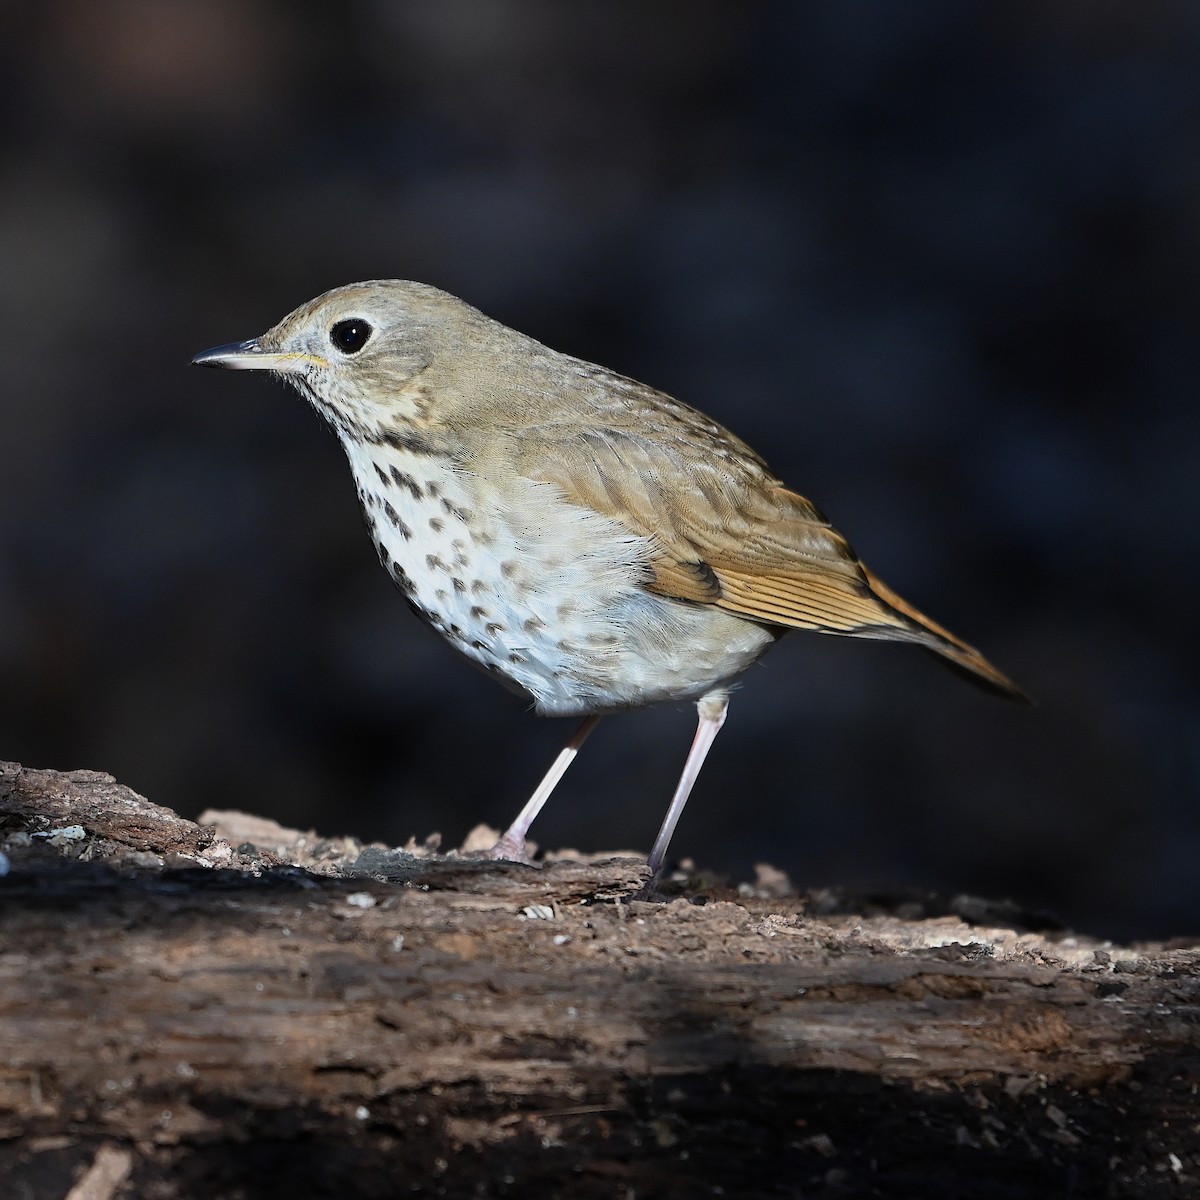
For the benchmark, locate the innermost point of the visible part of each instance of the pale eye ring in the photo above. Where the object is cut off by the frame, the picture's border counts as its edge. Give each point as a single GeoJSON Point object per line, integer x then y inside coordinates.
{"type": "Point", "coordinates": [351, 335]}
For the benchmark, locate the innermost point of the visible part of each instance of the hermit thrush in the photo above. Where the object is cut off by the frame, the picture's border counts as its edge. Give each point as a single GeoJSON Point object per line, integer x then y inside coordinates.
{"type": "Point", "coordinates": [591, 542]}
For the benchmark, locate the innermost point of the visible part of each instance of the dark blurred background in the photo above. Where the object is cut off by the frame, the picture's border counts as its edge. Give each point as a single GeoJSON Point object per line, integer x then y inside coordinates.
{"type": "Point", "coordinates": [938, 262]}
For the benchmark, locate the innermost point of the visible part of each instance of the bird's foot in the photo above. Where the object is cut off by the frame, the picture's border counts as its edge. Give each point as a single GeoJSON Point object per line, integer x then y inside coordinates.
{"type": "Point", "coordinates": [508, 849]}
{"type": "Point", "coordinates": [649, 892]}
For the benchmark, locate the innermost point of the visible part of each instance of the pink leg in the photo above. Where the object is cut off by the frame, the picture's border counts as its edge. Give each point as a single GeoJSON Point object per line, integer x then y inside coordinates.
{"type": "Point", "coordinates": [511, 845]}
{"type": "Point", "coordinates": [712, 709]}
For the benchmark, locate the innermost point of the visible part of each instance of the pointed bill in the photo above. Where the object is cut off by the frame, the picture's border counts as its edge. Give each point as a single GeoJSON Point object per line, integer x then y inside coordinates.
{"type": "Point", "coordinates": [250, 356]}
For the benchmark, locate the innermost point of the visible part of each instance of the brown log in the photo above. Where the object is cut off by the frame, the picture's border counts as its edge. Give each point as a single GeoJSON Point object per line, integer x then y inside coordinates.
{"type": "Point", "coordinates": [184, 1013]}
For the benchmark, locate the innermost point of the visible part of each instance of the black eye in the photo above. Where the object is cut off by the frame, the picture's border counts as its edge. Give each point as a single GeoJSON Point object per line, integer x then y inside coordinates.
{"type": "Point", "coordinates": [350, 336]}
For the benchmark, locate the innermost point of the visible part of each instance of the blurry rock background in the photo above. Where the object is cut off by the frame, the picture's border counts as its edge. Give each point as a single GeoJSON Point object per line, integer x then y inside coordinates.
{"type": "Point", "coordinates": [939, 262]}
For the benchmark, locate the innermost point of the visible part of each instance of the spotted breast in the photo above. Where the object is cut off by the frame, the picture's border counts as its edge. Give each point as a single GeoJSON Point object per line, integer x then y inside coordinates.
{"type": "Point", "coordinates": [548, 597]}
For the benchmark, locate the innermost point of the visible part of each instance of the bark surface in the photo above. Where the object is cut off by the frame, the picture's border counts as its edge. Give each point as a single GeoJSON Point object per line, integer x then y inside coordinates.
{"type": "Point", "coordinates": [235, 1009]}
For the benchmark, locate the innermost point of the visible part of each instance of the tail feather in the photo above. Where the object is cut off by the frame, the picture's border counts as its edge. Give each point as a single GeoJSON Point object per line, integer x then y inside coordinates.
{"type": "Point", "coordinates": [952, 651]}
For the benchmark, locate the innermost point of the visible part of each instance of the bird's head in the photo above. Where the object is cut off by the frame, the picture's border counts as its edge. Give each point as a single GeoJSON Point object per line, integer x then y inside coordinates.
{"type": "Point", "coordinates": [367, 355]}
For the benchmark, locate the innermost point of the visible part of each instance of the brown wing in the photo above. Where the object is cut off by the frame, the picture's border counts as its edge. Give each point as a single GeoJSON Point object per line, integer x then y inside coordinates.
{"type": "Point", "coordinates": [726, 532]}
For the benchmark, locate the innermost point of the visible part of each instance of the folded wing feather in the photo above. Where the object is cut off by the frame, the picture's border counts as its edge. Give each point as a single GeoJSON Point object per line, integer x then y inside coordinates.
{"type": "Point", "coordinates": [725, 532]}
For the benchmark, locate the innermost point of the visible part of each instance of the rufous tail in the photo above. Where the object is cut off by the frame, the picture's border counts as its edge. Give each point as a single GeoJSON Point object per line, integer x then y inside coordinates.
{"type": "Point", "coordinates": [951, 650]}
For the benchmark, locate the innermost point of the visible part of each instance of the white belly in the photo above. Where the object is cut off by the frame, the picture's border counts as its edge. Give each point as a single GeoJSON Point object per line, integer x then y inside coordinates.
{"type": "Point", "coordinates": [544, 595]}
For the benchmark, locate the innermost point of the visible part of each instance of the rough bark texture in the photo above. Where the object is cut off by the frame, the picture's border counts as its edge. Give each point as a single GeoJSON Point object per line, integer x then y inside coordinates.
{"type": "Point", "coordinates": [239, 1010]}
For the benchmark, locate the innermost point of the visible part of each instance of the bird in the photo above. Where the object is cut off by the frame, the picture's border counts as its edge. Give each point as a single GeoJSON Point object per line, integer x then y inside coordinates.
{"type": "Point", "coordinates": [592, 543]}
